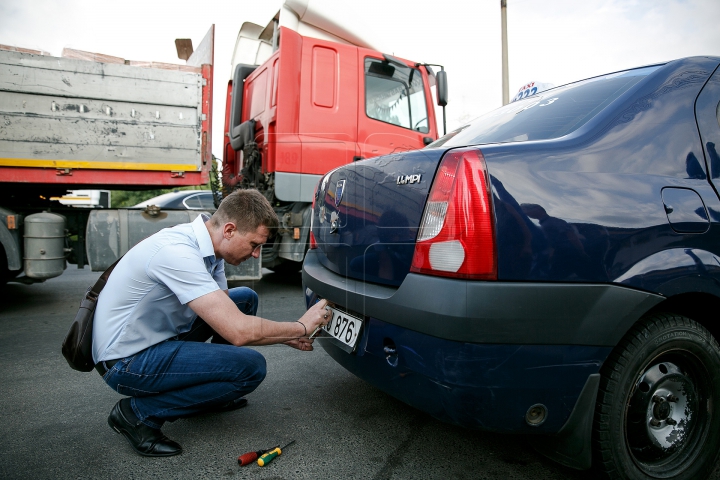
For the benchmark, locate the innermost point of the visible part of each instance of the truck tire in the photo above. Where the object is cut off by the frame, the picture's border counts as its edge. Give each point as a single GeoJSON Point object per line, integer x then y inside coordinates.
{"type": "Point", "coordinates": [4, 272]}
{"type": "Point", "coordinates": [658, 407]}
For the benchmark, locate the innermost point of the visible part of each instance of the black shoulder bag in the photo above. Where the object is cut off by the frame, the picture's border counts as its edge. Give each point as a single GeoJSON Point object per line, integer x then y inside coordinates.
{"type": "Point", "coordinates": [77, 346]}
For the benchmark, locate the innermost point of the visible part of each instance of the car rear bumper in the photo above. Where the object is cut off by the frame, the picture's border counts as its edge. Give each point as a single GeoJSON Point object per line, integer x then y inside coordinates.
{"type": "Point", "coordinates": [479, 354]}
{"type": "Point", "coordinates": [490, 312]}
{"type": "Point", "coordinates": [490, 387]}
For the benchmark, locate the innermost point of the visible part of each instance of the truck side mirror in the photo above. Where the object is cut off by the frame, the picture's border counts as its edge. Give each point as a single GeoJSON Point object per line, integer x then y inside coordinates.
{"type": "Point", "coordinates": [242, 71]}
{"type": "Point", "coordinates": [441, 88]}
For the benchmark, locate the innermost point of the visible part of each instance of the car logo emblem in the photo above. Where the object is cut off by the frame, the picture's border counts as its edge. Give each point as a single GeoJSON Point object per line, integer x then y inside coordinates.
{"type": "Point", "coordinates": [339, 192]}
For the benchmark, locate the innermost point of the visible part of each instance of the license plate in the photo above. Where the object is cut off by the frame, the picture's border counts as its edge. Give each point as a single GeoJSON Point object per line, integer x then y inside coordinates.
{"type": "Point", "coordinates": [344, 327]}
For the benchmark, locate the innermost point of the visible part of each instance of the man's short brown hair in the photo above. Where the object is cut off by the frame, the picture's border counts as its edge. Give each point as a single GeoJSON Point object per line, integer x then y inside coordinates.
{"type": "Point", "coordinates": [248, 210]}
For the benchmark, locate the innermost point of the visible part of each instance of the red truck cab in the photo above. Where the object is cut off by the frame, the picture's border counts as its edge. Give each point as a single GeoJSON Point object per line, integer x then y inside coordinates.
{"type": "Point", "coordinates": [312, 106]}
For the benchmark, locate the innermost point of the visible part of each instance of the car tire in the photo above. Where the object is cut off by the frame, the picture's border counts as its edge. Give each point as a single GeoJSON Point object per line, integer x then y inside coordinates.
{"type": "Point", "coordinates": [658, 406]}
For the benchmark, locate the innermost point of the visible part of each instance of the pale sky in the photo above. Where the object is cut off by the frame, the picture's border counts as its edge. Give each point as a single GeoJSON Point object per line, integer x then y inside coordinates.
{"type": "Point", "coordinates": [553, 41]}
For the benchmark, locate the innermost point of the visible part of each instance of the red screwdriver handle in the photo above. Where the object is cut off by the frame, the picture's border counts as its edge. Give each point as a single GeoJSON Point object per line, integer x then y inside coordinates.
{"type": "Point", "coordinates": [247, 458]}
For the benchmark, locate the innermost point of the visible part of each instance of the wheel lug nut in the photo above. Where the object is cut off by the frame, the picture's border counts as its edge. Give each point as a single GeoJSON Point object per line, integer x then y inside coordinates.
{"type": "Point", "coordinates": [658, 399]}
{"type": "Point", "coordinates": [654, 422]}
{"type": "Point", "coordinates": [672, 398]}
{"type": "Point", "coordinates": [670, 421]}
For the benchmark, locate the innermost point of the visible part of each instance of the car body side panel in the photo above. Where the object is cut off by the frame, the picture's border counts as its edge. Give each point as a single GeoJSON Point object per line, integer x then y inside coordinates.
{"type": "Point", "coordinates": [589, 207]}
{"type": "Point", "coordinates": [676, 270]}
{"type": "Point", "coordinates": [707, 110]}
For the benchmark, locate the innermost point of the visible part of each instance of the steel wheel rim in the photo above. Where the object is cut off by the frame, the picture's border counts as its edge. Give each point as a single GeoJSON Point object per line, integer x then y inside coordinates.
{"type": "Point", "coordinates": [666, 415]}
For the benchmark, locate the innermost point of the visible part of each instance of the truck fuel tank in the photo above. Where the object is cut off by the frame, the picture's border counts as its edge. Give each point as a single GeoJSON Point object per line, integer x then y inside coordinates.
{"type": "Point", "coordinates": [111, 233]}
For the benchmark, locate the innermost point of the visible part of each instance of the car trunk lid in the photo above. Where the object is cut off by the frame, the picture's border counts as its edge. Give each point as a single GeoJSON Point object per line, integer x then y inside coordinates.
{"type": "Point", "coordinates": [367, 215]}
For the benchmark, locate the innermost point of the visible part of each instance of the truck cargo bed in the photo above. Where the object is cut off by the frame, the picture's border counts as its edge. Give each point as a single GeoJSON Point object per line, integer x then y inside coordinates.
{"type": "Point", "coordinates": [77, 122]}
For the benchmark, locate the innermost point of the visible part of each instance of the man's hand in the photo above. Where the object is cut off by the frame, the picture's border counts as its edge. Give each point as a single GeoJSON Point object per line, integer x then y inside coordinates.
{"type": "Point", "coordinates": [302, 343]}
{"type": "Point", "coordinates": [316, 316]}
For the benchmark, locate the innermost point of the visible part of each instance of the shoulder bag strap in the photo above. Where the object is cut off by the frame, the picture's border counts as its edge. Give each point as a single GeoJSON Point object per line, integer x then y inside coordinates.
{"type": "Point", "coordinates": [100, 284]}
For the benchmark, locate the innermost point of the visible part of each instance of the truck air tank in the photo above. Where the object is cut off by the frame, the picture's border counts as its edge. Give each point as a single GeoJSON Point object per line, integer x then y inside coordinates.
{"type": "Point", "coordinates": [44, 245]}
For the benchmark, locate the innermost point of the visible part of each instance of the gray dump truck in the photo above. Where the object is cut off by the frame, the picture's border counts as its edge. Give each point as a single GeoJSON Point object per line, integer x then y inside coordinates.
{"type": "Point", "coordinates": [92, 121]}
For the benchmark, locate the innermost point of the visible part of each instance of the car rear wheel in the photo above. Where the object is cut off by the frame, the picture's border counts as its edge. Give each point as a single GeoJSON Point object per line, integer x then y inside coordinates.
{"type": "Point", "coordinates": [658, 408]}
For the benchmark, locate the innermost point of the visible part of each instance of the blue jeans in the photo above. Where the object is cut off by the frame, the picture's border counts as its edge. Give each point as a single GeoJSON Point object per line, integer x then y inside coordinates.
{"type": "Point", "coordinates": [185, 376]}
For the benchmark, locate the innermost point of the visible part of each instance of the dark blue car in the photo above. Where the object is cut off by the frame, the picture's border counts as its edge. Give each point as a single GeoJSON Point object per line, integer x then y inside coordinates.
{"type": "Point", "coordinates": [551, 268]}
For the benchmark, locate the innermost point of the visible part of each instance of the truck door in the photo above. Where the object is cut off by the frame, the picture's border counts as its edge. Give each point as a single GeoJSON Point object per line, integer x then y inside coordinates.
{"type": "Point", "coordinates": [328, 105]}
{"type": "Point", "coordinates": [393, 109]}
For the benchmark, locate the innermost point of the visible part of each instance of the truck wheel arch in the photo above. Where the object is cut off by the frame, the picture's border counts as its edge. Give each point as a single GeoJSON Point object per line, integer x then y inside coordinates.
{"type": "Point", "coordinates": [11, 249]}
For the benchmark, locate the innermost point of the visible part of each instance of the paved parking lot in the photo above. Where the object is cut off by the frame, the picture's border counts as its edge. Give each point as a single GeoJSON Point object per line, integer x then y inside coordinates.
{"type": "Point", "coordinates": [53, 420]}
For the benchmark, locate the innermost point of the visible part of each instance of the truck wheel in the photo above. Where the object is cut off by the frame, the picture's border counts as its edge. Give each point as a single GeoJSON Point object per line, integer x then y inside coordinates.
{"type": "Point", "coordinates": [658, 407]}
{"type": "Point", "coordinates": [5, 274]}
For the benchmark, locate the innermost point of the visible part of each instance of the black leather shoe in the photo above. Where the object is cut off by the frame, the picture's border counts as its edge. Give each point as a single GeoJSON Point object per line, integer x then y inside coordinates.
{"type": "Point", "coordinates": [149, 442]}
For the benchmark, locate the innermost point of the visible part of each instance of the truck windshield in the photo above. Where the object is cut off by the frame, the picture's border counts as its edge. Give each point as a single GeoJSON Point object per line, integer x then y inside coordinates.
{"type": "Point", "coordinates": [395, 94]}
{"type": "Point", "coordinates": [550, 114]}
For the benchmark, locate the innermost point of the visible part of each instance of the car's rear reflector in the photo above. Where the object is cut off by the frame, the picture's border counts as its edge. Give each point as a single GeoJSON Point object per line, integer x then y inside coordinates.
{"type": "Point", "coordinates": [456, 236]}
{"type": "Point", "coordinates": [447, 256]}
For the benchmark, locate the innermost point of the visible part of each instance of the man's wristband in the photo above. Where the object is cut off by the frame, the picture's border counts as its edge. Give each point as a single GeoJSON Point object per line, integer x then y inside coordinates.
{"type": "Point", "coordinates": [304, 327]}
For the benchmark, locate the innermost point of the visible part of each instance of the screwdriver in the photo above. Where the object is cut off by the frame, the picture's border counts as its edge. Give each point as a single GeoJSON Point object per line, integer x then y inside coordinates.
{"type": "Point", "coordinates": [248, 458]}
{"type": "Point", "coordinates": [269, 456]}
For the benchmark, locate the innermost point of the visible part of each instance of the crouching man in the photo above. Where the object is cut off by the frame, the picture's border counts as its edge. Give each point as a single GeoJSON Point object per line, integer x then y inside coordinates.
{"type": "Point", "coordinates": [164, 299]}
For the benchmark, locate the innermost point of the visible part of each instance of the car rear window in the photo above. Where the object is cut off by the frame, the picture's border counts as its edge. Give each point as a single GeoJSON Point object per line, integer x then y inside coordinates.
{"type": "Point", "coordinates": [193, 202]}
{"type": "Point", "coordinates": [549, 114]}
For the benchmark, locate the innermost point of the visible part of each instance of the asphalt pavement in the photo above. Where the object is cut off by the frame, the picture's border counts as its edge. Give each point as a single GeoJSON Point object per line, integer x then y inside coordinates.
{"type": "Point", "coordinates": [53, 420]}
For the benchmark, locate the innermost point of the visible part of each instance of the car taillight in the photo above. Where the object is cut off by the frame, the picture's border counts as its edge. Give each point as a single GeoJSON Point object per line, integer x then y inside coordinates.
{"type": "Point", "coordinates": [456, 237]}
{"type": "Point", "coordinates": [313, 242]}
